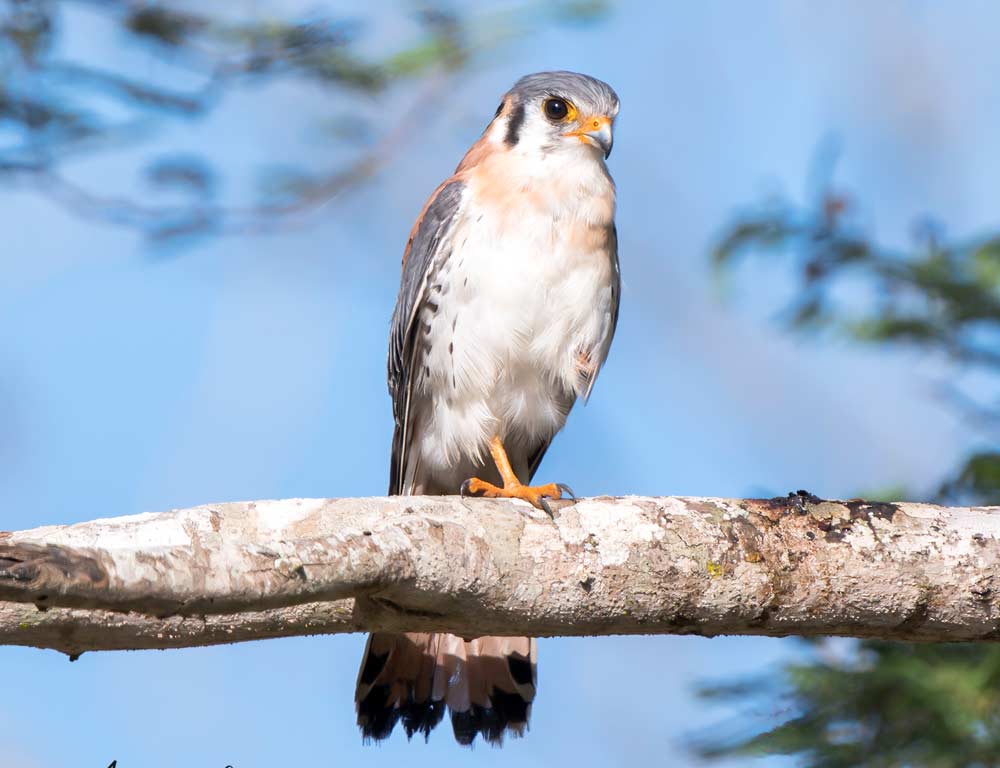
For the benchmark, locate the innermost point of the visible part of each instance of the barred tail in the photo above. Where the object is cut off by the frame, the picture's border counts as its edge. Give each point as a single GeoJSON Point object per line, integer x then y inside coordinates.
{"type": "Point", "coordinates": [487, 684]}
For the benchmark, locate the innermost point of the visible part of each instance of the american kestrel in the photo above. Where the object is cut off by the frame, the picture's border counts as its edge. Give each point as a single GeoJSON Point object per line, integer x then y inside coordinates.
{"type": "Point", "coordinates": [507, 306]}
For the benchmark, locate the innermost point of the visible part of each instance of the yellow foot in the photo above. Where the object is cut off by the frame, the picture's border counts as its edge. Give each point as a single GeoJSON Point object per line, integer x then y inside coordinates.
{"type": "Point", "coordinates": [536, 495]}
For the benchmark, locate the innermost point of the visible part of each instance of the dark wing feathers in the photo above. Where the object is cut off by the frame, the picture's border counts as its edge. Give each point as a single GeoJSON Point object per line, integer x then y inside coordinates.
{"type": "Point", "coordinates": [428, 244]}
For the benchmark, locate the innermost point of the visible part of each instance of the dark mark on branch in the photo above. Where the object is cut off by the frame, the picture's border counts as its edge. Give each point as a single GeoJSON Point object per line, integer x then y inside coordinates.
{"type": "Point", "coordinates": [916, 618]}
{"type": "Point", "coordinates": [762, 618]}
{"type": "Point", "coordinates": [60, 567]}
{"type": "Point", "coordinates": [834, 535]}
{"type": "Point", "coordinates": [800, 499]}
{"type": "Point", "coordinates": [681, 624]}
{"type": "Point", "coordinates": [867, 509]}
{"type": "Point", "coordinates": [982, 593]}
{"type": "Point", "coordinates": [773, 509]}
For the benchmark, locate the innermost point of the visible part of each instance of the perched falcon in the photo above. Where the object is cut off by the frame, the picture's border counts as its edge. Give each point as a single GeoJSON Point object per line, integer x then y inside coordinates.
{"type": "Point", "coordinates": [506, 309]}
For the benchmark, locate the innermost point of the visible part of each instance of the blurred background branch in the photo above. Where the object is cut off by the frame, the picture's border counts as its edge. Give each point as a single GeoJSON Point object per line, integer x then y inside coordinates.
{"type": "Point", "coordinates": [56, 108]}
{"type": "Point", "coordinates": [877, 704]}
{"type": "Point", "coordinates": [940, 297]}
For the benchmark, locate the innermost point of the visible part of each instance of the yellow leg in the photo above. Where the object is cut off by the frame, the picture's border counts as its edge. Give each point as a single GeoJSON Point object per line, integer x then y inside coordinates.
{"type": "Point", "coordinates": [536, 495]}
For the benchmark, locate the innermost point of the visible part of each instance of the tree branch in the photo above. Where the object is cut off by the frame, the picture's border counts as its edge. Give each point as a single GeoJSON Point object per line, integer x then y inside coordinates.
{"type": "Point", "coordinates": [636, 565]}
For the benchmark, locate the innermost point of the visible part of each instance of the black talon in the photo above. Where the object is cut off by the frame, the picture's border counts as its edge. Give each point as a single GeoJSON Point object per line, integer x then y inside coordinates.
{"type": "Point", "coordinates": [545, 505]}
{"type": "Point", "coordinates": [465, 490]}
{"type": "Point", "coordinates": [566, 490]}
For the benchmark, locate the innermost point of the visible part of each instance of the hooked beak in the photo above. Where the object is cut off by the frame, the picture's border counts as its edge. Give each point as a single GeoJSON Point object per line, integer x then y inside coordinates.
{"type": "Point", "coordinates": [596, 131]}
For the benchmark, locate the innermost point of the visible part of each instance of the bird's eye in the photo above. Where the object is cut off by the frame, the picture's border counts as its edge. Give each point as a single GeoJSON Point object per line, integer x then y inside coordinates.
{"type": "Point", "coordinates": [555, 109]}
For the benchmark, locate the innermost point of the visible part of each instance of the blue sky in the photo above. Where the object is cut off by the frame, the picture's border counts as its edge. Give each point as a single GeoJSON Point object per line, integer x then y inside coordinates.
{"type": "Point", "coordinates": [254, 367]}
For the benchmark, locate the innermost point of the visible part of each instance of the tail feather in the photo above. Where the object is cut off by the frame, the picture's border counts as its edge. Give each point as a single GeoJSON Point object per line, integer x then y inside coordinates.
{"type": "Point", "coordinates": [487, 684]}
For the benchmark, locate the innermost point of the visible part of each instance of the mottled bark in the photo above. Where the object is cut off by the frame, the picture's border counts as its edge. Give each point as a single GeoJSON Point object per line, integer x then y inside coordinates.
{"type": "Point", "coordinates": [636, 565]}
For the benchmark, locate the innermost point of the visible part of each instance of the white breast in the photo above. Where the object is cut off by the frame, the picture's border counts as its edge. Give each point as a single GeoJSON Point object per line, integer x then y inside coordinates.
{"type": "Point", "coordinates": [526, 294]}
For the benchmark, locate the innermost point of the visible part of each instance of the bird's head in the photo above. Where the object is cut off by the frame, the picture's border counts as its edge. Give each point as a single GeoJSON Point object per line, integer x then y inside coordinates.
{"type": "Point", "coordinates": [553, 111]}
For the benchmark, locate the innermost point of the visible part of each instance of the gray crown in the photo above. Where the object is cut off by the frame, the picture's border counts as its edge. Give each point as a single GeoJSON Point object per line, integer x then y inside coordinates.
{"type": "Point", "coordinates": [587, 93]}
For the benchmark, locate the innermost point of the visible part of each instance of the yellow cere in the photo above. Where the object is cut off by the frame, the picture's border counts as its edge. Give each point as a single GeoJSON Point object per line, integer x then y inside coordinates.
{"type": "Point", "coordinates": [594, 123]}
